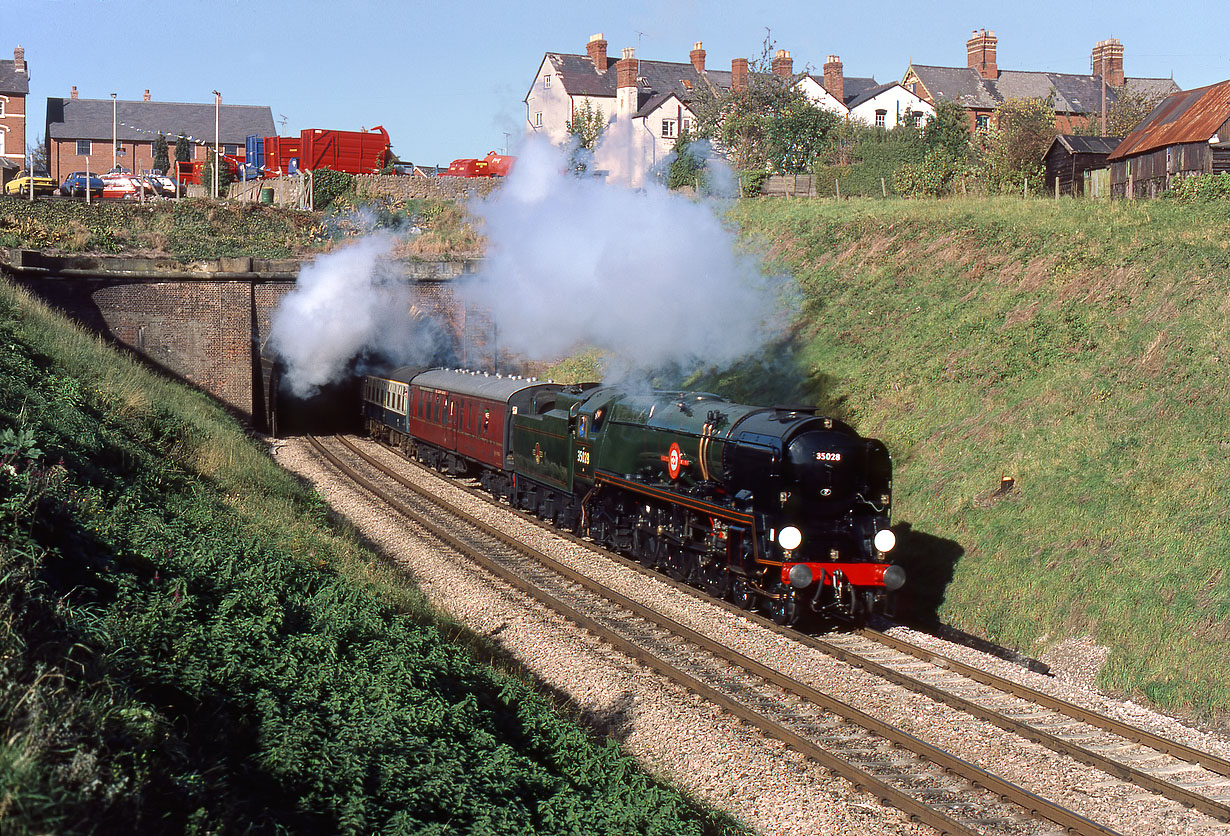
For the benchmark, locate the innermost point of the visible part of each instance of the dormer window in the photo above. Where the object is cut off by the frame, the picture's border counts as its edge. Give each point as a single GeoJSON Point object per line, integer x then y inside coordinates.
{"type": "Point", "coordinates": [687, 85]}
{"type": "Point", "coordinates": [642, 81]}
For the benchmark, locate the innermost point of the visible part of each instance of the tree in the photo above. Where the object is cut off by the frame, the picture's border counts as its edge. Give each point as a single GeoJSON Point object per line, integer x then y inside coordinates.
{"type": "Point", "coordinates": [207, 175]}
{"type": "Point", "coordinates": [39, 158]}
{"type": "Point", "coordinates": [796, 137]}
{"type": "Point", "coordinates": [687, 167]}
{"type": "Point", "coordinates": [585, 126]}
{"type": "Point", "coordinates": [739, 123]}
{"type": "Point", "coordinates": [161, 160]}
{"type": "Point", "coordinates": [183, 150]}
{"type": "Point", "coordinates": [1130, 109]}
{"type": "Point", "coordinates": [948, 129]}
{"type": "Point", "coordinates": [1013, 151]}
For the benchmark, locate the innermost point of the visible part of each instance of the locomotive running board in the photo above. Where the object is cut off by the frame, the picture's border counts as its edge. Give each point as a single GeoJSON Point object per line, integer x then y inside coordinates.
{"type": "Point", "coordinates": [691, 503]}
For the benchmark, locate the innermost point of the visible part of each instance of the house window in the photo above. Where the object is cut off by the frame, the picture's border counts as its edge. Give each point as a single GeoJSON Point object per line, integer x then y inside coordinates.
{"type": "Point", "coordinates": [538, 119]}
{"type": "Point", "coordinates": [546, 82]}
{"type": "Point", "coordinates": [1, 107]}
{"type": "Point", "coordinates": [230, 149]}
{"type": "Point", "coordinates": [83, 148]}
{"type": "Point", "coordinates": [914, 116]}
{"type": "Point", "coordinates": [881, 118]}
{"type": "Point", "coordinates": [982, 122]}
{"type": "Point", "coordinates": [669, 128]}
{"type": "Point", "coordinates": [686, 125]}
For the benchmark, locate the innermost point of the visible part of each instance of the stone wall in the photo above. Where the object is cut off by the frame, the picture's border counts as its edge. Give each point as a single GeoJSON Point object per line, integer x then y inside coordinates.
{"type": "Point", "coordinates": [295, 190]}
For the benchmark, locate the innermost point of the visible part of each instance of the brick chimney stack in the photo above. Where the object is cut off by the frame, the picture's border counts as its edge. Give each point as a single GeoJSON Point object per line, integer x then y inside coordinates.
{"type": "Point", "coordinates": [147, 94]}
{"type": "Point", "coordinates": [1107, 60]}
{"type": "Point", "coordinates": [698, 57]}
{"type": "Point", "coordinates": [783, 64]}
{"type": "Point", "coordinates": [19, 60]}
{"type": "Point", "coordinates": [596, 48]}
{"type": "Point", "coordinates": [73, 93]}
{"type": "Point", "coordinates": [834, 80]}
{"type": "Point", "coordinates": [627, 94]}
{"type": "Point", "coordinates": [980, 49]}
{"type": "Point", "coordinates": [738, 74]}
{"type": "Point", "coordinates": [625, 68]}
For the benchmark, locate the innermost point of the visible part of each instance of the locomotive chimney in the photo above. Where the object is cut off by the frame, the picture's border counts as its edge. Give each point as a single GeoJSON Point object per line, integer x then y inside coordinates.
{"type": "Point", "coordinates": [980, 52]}
{"type": "Point", "coordinates": [834, 81]}
{"type": "Point", "coordinates": [698, 57]}
{"type": "Point", "coordinates": [738, 74]}
{"type": "Point", "coordinates": [596, 48]}
{"type": "Point", "coordinates": [783, 64]}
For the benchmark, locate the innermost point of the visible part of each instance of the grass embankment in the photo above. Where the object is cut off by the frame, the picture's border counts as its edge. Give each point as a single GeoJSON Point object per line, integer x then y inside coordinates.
{"type": "Point", "coordinates": [201, 229]}
{"type": "Point", "coordinates": [1077, 348]}
{"type": "Point", "coordinates": [187, 644]}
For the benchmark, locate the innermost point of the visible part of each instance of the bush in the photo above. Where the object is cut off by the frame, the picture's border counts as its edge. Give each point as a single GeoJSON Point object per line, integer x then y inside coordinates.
{"type": "Point", "coordinates": [329, 185]}
{"type": "Point", "coordinates": [1200, 188]}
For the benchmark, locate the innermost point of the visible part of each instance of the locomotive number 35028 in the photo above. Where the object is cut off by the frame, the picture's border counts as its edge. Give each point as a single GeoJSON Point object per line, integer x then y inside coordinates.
{"type": "Point", "coordinates": [828, 457]}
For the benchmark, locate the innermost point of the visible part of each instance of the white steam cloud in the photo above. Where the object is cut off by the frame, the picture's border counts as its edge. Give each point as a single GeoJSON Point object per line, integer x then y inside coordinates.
{"type": "Point", "coordinates": [345, 304]}
{"type": "Point", "coordinates": [649, 276]}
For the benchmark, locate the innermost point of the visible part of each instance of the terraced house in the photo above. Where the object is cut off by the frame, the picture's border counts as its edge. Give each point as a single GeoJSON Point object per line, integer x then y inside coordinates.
{"type": "Point", "coordinates": [14, 85]}
{"type": "Point", "coordinates": [99, 134]}
{"type": "Point", "coordinates": [981, 86]}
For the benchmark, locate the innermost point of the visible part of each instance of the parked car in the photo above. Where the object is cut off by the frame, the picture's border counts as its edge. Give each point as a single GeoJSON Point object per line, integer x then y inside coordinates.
{"type": "Point", "coordinates": [43, 184]}
{"type": "Point", "coordinates": [165, 186]}
{"type": "Point", "coordinates": [77, 183]}
{"type": "Point", "coordinates": [121, 186]}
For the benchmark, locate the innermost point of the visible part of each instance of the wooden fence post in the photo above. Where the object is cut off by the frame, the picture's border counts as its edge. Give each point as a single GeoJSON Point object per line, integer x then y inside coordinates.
{"type": "Point", "coordinates": [883, 187]}
{"type": "Point", "coordinates": [837, 182]}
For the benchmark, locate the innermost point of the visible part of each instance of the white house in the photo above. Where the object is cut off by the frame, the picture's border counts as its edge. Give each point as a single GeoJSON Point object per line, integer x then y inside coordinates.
{"type": "Point", "coordinates": [864, 99]}
{"type": "Point", "coordinates": [645, 103]}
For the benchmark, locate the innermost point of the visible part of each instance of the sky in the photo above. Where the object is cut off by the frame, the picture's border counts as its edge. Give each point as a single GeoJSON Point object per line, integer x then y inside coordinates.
{"type": "Point", "coordinates": [449, 79]}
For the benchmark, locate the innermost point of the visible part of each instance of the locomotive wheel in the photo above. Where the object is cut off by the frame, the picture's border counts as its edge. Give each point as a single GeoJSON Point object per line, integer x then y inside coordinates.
{"type": "Point", "coordinates": [715, 579]}
{"type": "Point", "coordinates": [784, 610]}
{"type": "Point", "coordinates": [742, 595]}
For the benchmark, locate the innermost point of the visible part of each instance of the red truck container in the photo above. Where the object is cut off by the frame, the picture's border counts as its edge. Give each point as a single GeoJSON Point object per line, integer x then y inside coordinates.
{"type": "Point", "coordinates": [279, 151]}
{"type": "Point", "coordinates": [190, 172]}
{"type": "Point", "coordinates": [493, 165]}
{"type": "Point", "coordinates": [355, 152]}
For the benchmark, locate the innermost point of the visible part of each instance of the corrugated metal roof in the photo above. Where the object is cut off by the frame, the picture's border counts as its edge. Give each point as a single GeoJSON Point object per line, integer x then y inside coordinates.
{"type": "Point", "coordinates": [1086, 144]}
{"type": "Point", "coordinates": [1186, 116]}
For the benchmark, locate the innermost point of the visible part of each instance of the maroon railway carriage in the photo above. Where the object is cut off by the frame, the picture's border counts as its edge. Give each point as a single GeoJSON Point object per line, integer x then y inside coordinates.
{"type": "Point", "coordinates": [455, 420]}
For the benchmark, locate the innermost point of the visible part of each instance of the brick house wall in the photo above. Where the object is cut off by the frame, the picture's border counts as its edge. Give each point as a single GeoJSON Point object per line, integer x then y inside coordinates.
{"type": "Point", "coordinates": [137, 156]}
{"type": "Point", "coordinates": [14, 84]}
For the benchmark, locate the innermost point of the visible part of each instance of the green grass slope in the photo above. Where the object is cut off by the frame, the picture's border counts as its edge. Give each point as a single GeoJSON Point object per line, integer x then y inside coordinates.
{"type": "Point", "coordinates": [1078, 348]}
{"type": "Point", "coordinates": [187, 645]}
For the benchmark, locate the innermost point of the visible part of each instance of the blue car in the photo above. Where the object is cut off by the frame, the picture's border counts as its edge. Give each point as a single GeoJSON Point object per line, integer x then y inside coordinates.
{"type": "Point", "coordinates": [76, 184]}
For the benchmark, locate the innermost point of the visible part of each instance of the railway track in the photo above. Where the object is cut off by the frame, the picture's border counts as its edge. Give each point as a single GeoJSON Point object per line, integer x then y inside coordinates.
{"type": "Point", "coordinates": [936, 787]}
{"type": "Point", "coordinates": [1189, 776]}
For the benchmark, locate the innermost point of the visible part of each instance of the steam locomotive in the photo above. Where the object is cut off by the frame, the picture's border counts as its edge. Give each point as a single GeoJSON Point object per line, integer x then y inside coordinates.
{"type": "Point", "coordinates": [779, 509]}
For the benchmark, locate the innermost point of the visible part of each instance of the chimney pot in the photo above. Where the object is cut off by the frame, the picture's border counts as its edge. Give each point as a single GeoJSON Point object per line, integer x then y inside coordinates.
{"type": "Point", "coordinates": [596, 49]}
{"type": "Point", "coordinates": [834, 79]}
{"type": "Point", "coordinates": [1107, 60]}
{"type": "Point", "coordinates": [147, 94]}
{"type": "Point", "coordinates": [626, 68]}
{"type": "Point", "coordinates": [783, 64]}
{"type": "Point", "coordinates": [980, 52]}
{"type": "Point", "coordinates": [738, 74]}
{"type": "Point", "coordinates": [698, 57]}
{"type": "Point", "coordinates": [73, 93]}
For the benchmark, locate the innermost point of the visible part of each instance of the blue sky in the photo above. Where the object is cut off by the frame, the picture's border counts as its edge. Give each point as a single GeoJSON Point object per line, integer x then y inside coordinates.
{"type": "Point", "coordinates": [447, 80]}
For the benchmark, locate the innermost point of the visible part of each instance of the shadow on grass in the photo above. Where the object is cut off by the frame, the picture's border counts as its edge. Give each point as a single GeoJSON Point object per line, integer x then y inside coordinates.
{"type": "Point", "coordinates": [930, 563]}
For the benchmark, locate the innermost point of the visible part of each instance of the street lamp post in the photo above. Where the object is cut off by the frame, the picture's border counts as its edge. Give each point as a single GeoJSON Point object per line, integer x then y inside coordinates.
{"type": "Point", "coordinates": [217, 147]}
{"type": "Point", "coordinates": [115, 154]}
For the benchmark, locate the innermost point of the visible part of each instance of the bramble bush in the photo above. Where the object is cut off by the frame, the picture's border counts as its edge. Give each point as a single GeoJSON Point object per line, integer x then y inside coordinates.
{"type": "Point", "coordinates": [1199, 188]}
{"type": "Point", "coordinates": [185, 652]}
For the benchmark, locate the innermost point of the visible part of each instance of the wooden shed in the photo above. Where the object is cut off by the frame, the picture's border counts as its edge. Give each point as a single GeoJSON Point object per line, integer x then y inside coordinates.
{"type": "Point", "coordinates": [1188, 133]}
{"type": "Point", "coordinates": [1069, 157]}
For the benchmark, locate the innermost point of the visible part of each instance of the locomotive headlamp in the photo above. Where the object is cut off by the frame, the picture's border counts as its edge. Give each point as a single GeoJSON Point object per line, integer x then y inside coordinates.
{"type": "Point", "coordinates": [885, 540]}
{"type": "Point", "coordinates": [789, 538]}
{"type": "Point", "coordinates": [800, 576]}
{"type": "Point", "coordinates": [894, 578]}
